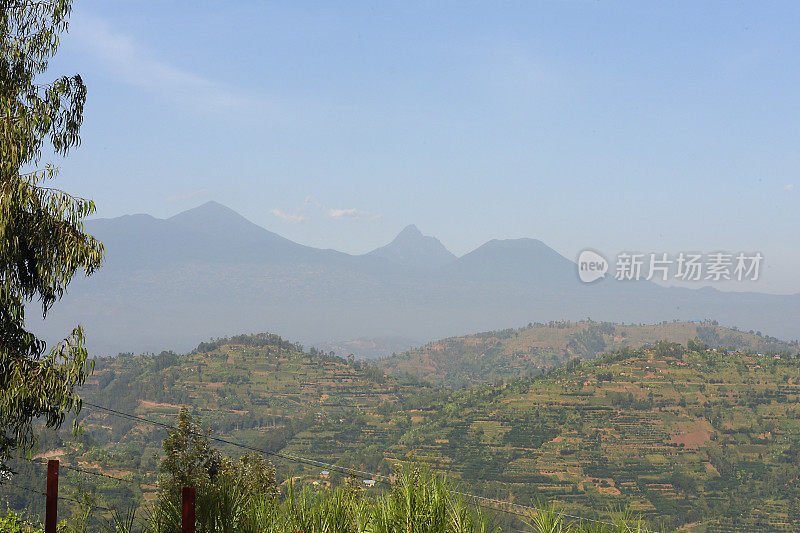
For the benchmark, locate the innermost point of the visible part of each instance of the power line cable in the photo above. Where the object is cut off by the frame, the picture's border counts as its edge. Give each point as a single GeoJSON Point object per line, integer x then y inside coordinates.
{"type": "Point", "coordinates": [350, 471]}
{"type": "Point", "coordinates": [85, 471]}
{"type": "Point", "coordinates": [65, 498]}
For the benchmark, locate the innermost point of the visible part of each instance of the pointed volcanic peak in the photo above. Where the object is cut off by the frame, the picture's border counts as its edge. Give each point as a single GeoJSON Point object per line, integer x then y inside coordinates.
{"type": "Point", "coordinates": [516, 260]}
{"type": "Point", "coordinates": [413, 249]}
{"type": "Point", "coordinates": [209, 213]}
{"type": "Point", "coordinates": [215, 220]}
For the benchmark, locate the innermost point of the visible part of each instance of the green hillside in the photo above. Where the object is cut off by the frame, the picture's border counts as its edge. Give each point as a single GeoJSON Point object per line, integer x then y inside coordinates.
{"type": "Point", "coordinates": [514, 353]}
{"type": "Point", "coordinates": [686, 437]}
{"type": "Point", "coordinates": [259, 390]}
{"type": "Point", "coordinates": [702, 439]}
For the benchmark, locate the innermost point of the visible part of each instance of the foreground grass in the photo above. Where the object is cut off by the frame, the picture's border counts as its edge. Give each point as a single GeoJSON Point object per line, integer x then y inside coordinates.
{"type": "Point", "coordinates": [15, 523]}
{"type": "Point", "coordinates": [419, 502]}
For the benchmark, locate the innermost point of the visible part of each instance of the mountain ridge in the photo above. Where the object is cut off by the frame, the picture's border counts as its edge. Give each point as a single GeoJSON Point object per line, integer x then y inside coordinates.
{"type": "Point", "coordinates": [509, 354]}
{"type": "Point", "coordinates": [209, 270]}
{"type": "Point", "coordinates": [514, 259]}
{"type": "Point", "coordinates": [411, 248]}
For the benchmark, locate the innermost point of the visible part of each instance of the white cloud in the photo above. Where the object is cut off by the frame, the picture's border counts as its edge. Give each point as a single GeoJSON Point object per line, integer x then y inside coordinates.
{"type": "Point", "coordinates": [289, 217]}
{"type": "Point", "coordinates": [789, 187]}
{"type": "Point", "coordinates": [342, 213]}
{"type": "Point", "coordinates": [353, 213]}
{"type": "Point", "coordinates": [312, 206]}
{"type": "Point", "coordinates": [131, 63]}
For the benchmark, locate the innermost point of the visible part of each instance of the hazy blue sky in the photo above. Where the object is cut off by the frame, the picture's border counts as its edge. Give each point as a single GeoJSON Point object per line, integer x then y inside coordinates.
{"type": "Point", "coordinates": [617, 126]}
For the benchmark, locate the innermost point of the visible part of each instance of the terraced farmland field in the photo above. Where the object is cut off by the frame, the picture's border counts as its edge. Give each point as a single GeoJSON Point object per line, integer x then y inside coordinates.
{"type": "Point", "coordinates": [703, 439]}
{"type": "Point", "coordinates": [509, 354]}
{"type": "Point", "coordinates": [686, 437]}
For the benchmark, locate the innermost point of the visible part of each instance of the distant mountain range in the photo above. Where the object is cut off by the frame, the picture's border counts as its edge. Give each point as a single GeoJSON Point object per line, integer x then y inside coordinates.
{"type": "Point", "coordinates": [168, 283]}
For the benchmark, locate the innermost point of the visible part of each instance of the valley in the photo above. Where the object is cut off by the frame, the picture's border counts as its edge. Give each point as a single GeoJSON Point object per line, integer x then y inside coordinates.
{"type": "Point", "coordinates": [700, 438]}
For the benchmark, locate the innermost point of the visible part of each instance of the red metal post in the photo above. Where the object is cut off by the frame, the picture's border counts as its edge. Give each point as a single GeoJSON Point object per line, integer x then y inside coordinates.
{"type": "Point", "coordinates": [51, 502]}
{"type": "Point", "coordinates": [187, 516]}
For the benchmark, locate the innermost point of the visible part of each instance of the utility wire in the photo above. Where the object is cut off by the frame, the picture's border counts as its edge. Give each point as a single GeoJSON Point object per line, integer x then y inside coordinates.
{"type": "Point", "coordinates": [85, 471]}
{"type": "Point", "coordinates": [350, 471]}
{"type": "Point", "coordinates": [69, 467]}
{"type": "Point", "coordinates": [65, 498]}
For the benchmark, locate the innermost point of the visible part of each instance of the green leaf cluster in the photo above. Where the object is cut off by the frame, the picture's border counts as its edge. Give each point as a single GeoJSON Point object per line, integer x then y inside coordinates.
{"type": "Point", "coordinates": [42, 239]}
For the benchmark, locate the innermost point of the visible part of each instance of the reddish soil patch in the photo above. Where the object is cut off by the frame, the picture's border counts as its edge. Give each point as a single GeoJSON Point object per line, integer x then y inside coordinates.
{"type": "Point", "coordinates": [692, 440]}
{"type": "Point", "coordinates": [153, 405]}
{"type": "Point", "coordinates": [50, 454]}
{"type": "Point", "coordinates": [116, 473]}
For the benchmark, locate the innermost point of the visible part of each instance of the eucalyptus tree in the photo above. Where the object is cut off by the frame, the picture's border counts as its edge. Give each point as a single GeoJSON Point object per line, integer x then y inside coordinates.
{"type": "Point", "coordinates": [42, 239]}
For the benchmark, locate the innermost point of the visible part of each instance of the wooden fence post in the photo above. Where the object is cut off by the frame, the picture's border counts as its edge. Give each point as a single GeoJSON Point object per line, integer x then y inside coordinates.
{"type": "Point", "coordinates": [51, 502]}
{"type": "Point", "coordinates": [187, 516]}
